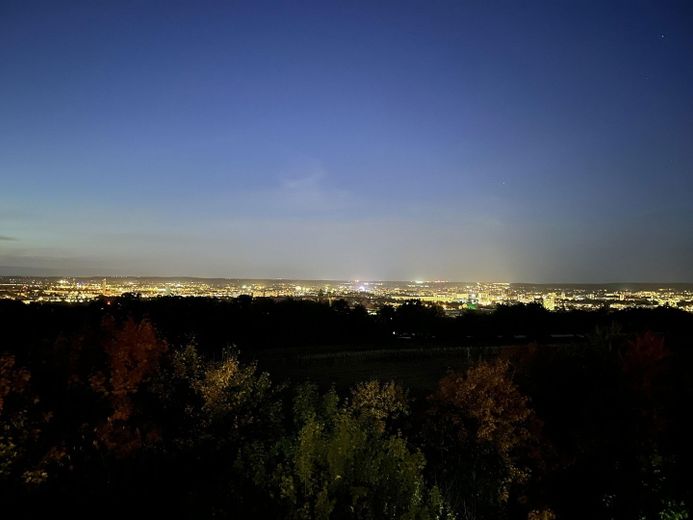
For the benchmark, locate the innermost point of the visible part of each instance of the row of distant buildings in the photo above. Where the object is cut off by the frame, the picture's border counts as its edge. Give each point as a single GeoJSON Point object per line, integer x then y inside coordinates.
{"type": "Point", "coordinates": [454, 297]}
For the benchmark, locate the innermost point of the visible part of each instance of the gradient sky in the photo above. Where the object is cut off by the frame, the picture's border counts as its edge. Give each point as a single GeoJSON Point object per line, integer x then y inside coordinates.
{"type": "Point", "coordinates": [510, 141]}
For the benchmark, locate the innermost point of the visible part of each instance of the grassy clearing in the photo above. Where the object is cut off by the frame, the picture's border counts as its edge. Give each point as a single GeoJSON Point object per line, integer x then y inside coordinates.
{"type": "Point", "coordinates": [416, 367]}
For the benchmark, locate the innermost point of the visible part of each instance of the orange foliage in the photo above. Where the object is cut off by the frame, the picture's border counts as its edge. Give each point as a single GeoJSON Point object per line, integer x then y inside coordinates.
{"type": "Point", "coordinates": [488, 396]}
{"type": "Point", "coordinates": [485, 410]}
{"type": "Point", "coordinates": [644, 364]}
{"type": "Point", "coordinates": [643, 360]}
{"type": "Point", "coordinates": [133, 354]}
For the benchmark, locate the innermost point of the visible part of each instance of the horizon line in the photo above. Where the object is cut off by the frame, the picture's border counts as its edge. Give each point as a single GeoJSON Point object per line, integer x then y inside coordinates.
{"type": "Point", "coordinates": [352, 280]}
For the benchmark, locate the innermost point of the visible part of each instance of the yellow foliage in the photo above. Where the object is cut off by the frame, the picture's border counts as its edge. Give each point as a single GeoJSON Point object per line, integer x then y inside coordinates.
{"type": "Point", "coordinates": [12, 379]}
{"type": "Point", "coordinates": [543, 514]}
{"type": "Point", "coordinates": [378, 401]}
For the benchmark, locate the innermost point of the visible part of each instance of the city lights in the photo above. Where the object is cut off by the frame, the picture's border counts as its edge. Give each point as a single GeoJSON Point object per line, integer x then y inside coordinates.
{"type": "Point", "coordinates": [454, 297]}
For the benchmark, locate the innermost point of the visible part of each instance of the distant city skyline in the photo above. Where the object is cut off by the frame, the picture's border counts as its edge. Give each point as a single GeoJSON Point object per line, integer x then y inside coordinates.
{"type": "Point", "coordinates": [454, 298]}
{"type": "Point", "coordinates": [538, 142]}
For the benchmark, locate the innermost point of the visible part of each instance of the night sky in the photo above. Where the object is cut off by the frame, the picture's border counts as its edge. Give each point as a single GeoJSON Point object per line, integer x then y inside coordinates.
{"type": "Point", "coordinates": [507, 141]}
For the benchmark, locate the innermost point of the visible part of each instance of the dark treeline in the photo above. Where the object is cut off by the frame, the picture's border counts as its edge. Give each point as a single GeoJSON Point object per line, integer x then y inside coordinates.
{"type": "Point", "coordinates": [134, 407]}
{"type": "Point", "coordinates": [254, 323]}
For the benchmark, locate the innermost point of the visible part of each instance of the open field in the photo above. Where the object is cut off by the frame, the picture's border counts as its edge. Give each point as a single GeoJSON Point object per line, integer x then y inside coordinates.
{"type": "Point", "coordinates": [417, 368]}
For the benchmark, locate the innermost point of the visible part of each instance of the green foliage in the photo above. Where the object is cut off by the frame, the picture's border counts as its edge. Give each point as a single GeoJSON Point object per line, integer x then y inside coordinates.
{"type": "Point", "coordinates": [674, 511]}
{"type": "Point", "coordinates": [342, 464]}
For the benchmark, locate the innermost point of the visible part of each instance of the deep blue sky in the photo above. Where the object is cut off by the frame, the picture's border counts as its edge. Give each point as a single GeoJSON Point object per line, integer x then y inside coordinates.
{"type": "Point", "coordinates": [514, 141]}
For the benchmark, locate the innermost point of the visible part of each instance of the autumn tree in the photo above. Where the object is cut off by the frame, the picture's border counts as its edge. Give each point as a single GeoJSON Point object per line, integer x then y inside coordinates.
{"type": "Point", "coordinates": [644, 362]}
{"type": "Point", "coordinates": [132, 353]}
{"type": "Point", "coordinates": [378, 402]}
{"type": "Point", "coordinates": [222, 421]}
{"type": "Point", "coordinates": [479, 424]}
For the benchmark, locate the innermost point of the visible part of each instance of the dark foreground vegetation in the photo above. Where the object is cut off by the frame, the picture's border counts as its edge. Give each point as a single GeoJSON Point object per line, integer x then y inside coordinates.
{"type": "Point", "coordinates": [200, 408]}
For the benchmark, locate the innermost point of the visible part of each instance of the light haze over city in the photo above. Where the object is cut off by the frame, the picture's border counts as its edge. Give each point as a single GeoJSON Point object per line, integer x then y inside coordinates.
{"type": "Point", "coordinates": [322, 140]}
